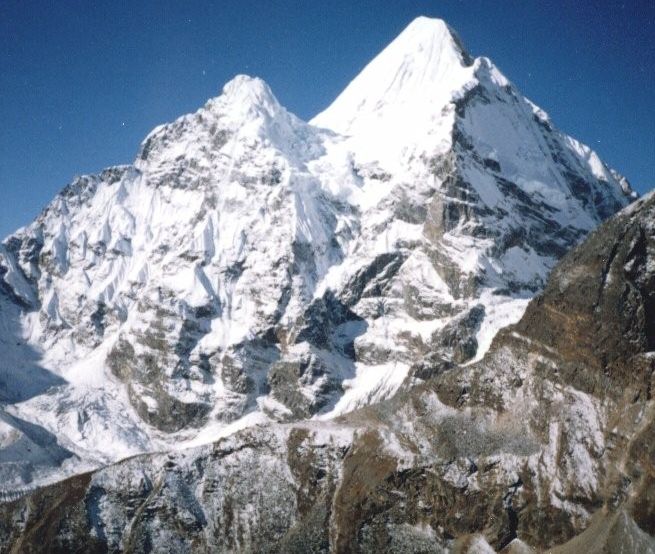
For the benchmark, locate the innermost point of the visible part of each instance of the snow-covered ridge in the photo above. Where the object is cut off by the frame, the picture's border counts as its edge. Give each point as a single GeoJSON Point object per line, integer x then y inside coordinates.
{"type": "Point", "coordinates": [249, 266]}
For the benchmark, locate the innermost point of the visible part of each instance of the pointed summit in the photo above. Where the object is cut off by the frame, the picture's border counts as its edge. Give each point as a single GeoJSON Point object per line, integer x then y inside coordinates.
{"type": "Point", "coordinates": [430, 32]}
{"type": "Point", "coordinates": [247, 94]}
{"type": "Point", "coordinates": [426, 62]}
{"type": "Point", "coordinates": [250, 89]}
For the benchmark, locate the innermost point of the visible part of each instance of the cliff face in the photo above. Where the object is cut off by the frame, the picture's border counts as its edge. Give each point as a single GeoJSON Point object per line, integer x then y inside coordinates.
{"type": "Point", "coordinates": [546, 441]}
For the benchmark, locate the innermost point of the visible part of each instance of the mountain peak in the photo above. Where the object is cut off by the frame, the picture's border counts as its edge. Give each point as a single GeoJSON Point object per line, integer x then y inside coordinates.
{"type": "Point", "coordinates": [426, 61]}
{"type": "Point", "coordinates": [246, 93]}
{"type": "Point", "coordinates": [428, 31]}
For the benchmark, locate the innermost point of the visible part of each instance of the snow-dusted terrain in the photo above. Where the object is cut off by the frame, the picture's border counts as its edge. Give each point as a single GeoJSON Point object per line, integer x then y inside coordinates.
{"type": "Point", "coordinates": [545, 445]}
{"type": "Point", "coordinates": [251, 267]}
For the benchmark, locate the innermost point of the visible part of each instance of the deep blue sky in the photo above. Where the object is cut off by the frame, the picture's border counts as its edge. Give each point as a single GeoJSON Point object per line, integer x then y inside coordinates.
{"type": "Point", "coordinates": [82, 83]}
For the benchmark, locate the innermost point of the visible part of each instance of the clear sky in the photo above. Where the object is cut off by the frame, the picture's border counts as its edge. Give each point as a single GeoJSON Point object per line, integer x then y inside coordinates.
{"type": "Point", "coordinates": [82, 83]}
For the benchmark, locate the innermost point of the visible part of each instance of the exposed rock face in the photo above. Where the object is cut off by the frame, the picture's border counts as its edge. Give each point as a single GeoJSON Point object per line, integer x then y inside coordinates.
{"type": "Point", "coordinates": [598, 309]}
{"type": "Point", "coordinates": [537, 445]}
{"type": "Point", "coordinates": [252, 267]}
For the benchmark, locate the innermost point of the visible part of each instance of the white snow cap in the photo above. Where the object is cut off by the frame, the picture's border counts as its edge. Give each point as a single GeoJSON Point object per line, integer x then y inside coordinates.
{"type": "Point", "coordinates": [425, 62]}
{"type": "Point", "coordinates": [250, 93]}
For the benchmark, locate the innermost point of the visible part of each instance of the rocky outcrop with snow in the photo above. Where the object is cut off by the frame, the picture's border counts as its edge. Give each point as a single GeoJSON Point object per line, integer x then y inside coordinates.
{"type": "Point", "coordinates": [251, 267]}
{"type": "Point", "coordinates": [547, 442]}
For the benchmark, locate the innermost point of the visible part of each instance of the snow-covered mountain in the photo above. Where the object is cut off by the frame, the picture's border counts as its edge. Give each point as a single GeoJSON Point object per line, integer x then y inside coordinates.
{"type": "Point", "coordinates": [545, 445]}
{"type": "Point", "coordinates": [250, 267]}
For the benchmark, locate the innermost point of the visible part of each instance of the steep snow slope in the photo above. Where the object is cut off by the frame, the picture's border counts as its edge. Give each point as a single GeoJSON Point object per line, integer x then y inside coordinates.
{"type": "Point", "coordinates": [249, 266]}
{"type": "Point", "coordinates": [494, 193]}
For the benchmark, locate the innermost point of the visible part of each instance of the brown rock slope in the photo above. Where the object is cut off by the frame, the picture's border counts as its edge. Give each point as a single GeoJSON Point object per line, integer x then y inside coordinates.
{"type": "Point", "coordinates": [548, 442]}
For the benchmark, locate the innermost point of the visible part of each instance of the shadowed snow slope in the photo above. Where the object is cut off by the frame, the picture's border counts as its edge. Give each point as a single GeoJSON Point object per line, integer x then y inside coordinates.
{"type": "Point", "coordinates": [250, 267]}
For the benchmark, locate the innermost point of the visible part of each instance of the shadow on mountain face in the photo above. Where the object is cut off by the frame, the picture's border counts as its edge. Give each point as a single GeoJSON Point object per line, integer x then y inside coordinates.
{"type": "Point", "coordinates": [25, 448]}
{"type": "Point", "coordinates": [21, 376]}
